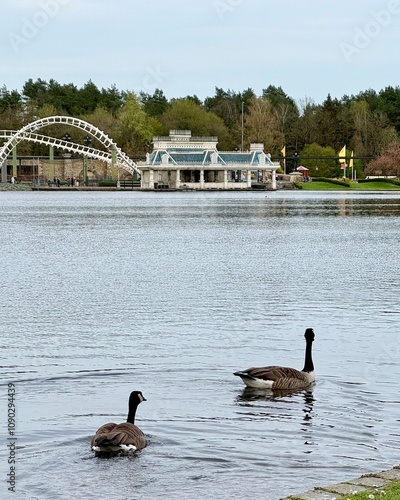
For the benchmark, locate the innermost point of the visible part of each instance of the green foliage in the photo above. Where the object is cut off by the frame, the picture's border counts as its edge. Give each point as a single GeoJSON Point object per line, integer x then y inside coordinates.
{"type": "Point", "coordinates": [135, 128]}
{"type": "Point", "coordinates": [228, 105]}
{"type": "Point", "coordinates": [328, 125]}
{"type": "Point", "coordinates": [372, 131]}
{"type": "Point", "coordinates": [389, 104]}
{"type": "Point", "coordinates": [68, 99]}
{"type": "Point", "coordinates": [103, 119]}
{"type": "Point", "coordinates": [380, 179]}
{"type": "Point", "coordinates": [108, 183]}
{"type": "Point", "coordinates": [9, 99]}
{"type": "Point", "coordinates": [154, 105]}
{"type": "Point", "coordinates": [187, 114]}
{"type": "Point", "coordinates": [368, 123]}
{"type": "Point", "coordinates": [110, 99]}
{"type": "Point", "coordinates": [331, 181]}
{"type": "Point", "coordinates": [329, 167]}
{"type": "Point", "coordinates": [320, 185]}
{"type": "Point", "coordinates": [389, 492]}
{"type": "Point", "coordinates": [375, 186]}
{"type": "Point", "coordinates": [285, 109]}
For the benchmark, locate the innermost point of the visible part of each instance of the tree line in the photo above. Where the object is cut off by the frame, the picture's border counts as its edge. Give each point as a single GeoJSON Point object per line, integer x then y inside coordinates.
{"type": "Point", "coordinates": [367, 123]}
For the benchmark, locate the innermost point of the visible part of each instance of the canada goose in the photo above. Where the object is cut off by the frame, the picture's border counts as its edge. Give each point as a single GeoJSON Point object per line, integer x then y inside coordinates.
{"type": "Point", "coordinates": [282, 378]}
{"type": "Point", "coordinates": [127, 437]}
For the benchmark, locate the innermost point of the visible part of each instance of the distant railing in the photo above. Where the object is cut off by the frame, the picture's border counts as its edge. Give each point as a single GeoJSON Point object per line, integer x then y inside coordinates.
{"type": "Point", "coordinates": [168, 138]}
{"type": "Point", "coordinates": [130, 183]}
{"type": "Point", "coordinates": [180, 132]}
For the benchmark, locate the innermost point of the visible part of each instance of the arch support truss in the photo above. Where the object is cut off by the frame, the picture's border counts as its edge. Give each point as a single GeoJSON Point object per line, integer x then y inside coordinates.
{"type": "Point", "coordinates": [28, 132]}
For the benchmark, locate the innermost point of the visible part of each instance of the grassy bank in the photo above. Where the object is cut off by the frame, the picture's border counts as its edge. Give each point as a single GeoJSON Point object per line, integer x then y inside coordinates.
{"type": "Point", "coordinates": [391, 492]}
{"type": "Point", "coordinates": [353, 186]}
{"type": "Point", "coordinates": [384, 484]}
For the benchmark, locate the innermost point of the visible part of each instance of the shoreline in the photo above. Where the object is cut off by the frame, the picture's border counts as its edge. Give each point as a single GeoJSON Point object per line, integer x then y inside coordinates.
{"type": "Point", "coordinates": [7, 187]}
{"type": "Point", "coordinates": [372, 483]}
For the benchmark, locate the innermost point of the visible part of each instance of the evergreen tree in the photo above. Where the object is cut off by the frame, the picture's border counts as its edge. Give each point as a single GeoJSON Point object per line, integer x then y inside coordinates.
{"type": "Point", "coordinates": [154, 105]}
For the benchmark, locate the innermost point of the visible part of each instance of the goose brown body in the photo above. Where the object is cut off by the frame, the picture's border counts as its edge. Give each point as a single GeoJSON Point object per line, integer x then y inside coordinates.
{"type": "Point", "coordinates": [113, 438]}
{"type": "Point", "coordinates": [281, 377]}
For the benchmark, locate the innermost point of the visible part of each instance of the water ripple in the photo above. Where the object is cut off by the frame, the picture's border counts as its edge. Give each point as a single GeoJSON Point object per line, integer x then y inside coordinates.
{"type": "Point", "coordinates": [171, 294]}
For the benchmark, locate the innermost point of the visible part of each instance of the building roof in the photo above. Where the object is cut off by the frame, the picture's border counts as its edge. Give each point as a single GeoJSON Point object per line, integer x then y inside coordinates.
{"type": "Point", "coordinates": [180, 148]}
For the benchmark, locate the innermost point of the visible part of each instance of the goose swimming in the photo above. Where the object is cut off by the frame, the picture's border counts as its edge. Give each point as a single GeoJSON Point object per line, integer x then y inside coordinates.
{"type": "Point", "coordinates": [113, 438]}
{"type": "Point", "coordinates": [280, 377]}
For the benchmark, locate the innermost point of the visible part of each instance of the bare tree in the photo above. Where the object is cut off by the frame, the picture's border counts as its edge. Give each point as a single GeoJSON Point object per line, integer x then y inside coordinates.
{"type": "Point", "coordinates": [262, 125]}
{"type": "Point", "coordinates": [388, 163]}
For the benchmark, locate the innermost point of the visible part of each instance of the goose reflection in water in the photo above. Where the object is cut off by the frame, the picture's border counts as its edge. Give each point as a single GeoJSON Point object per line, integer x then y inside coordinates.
{"type": "Point", "coordinates": [253, 398]}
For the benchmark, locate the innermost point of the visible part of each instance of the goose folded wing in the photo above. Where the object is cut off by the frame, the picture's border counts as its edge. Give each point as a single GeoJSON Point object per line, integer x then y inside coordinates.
{"type": "Point", "coordinates": [127, 434]}
{"type": "Point", "coordinates": [273, 373]}
{"type": "Point", "coordinates": [102, 433]}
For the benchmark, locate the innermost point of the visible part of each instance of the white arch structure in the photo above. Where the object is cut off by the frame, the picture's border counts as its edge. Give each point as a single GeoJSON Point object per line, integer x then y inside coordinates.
{"type": "Point", "coordinates": [28, 133]}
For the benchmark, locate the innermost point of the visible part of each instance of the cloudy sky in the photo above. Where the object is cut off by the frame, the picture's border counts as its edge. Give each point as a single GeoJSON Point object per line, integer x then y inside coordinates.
{"type": "Point", "coordinates": [308, 47]}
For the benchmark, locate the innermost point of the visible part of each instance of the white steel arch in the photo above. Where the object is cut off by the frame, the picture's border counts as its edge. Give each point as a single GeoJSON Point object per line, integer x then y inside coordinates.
{"type": "Point", "coordinates": [65, 145]}
{"type": "Point", "coordinates": [28, 133]}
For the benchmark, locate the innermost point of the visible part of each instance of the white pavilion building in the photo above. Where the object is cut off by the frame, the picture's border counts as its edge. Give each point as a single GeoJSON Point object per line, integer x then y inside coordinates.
{"type": "Point", "coordinates": [180, 161]}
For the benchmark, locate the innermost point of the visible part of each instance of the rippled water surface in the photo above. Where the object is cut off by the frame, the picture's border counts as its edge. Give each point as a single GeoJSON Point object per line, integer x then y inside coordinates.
{"type": "Point", "coordinates": [169, 293]}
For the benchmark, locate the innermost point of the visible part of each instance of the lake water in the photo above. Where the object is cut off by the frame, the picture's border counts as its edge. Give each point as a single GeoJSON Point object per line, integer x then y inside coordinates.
{"type": "Point", "coordinates": [169, 293]}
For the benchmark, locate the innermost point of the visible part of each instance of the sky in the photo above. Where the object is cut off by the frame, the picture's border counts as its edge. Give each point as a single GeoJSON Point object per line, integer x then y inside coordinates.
{"type": "Point", "coordinates": [310, 48]}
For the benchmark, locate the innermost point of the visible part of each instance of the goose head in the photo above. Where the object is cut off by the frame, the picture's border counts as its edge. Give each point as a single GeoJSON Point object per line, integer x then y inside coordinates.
{"type": "Point", "coordinates": [135, 398]}
{"type": "Point", "coordinates": [309, 335]}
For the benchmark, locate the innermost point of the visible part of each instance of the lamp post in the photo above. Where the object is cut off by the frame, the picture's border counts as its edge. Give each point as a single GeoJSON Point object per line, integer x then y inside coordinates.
{"type": "Point", "coordinates": [67, 156]}
{"type": "Point", "coordinates": [87, 140]}
{"type": "Point", "coordinates": [295, 160]}
{"type": "Point", "coordinates": [242, 123]}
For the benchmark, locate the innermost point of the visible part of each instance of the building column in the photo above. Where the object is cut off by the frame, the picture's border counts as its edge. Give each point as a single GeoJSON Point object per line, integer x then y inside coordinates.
{"type": "Point", "coordinates": [4, 172]}
{"type": "Point", "coordinates": [273, 179]}
{"type": "Point", "coordinates": [114, 174]}
{"type": "Point", "coordinates": [14, 161]}
{"type": "Point", "coordinates": [178, 179]}
{"type": "Point", "coordinates": [225, 179]}
{"type": "Point", "coordinates": [249, 178]}
{"type": "Point", "coordinates": [85, 172]}
{"type": "Point", "coordinates": [151, 179]}
{"type": "Point", "coordinates": [52, 170]}
{"type": "Point", "coordinates": [202, 178]}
